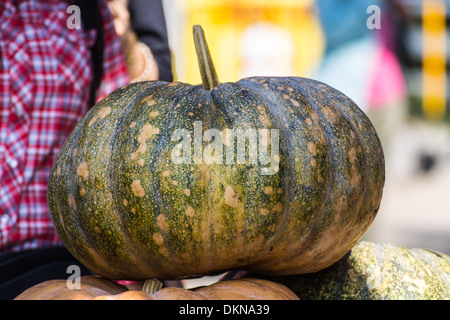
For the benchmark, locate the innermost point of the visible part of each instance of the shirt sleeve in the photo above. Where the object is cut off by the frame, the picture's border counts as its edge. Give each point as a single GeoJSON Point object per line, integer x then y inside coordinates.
{"type": "Point", "coordinates": [148, 21]}
{"type": "Point", "coordinates": [115, 73]}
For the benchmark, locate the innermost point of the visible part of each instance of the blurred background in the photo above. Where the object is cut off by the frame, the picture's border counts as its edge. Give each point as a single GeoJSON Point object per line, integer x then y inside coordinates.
{"type": "Point", "coordinates": [389, 56]}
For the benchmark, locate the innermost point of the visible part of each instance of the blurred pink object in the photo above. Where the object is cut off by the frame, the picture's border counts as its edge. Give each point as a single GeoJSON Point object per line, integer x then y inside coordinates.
{"type": "Point", "coordinates": [387, 83]}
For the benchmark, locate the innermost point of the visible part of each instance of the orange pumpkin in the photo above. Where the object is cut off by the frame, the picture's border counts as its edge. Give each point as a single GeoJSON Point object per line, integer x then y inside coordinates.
{"type": "Point", "coordinates": [90, 286]}
{"type": "Point", "coordinates": [98, 288]}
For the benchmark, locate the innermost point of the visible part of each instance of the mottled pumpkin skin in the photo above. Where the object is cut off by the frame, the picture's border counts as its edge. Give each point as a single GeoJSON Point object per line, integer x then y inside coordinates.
{"type": "Point", "coordinates": [377, 272]}
{"type": "Point", "coordinates": [127, 211]}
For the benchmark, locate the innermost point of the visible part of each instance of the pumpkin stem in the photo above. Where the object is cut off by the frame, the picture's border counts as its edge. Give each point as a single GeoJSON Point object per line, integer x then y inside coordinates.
{"type": "Point", "coordinates": [207, 70]}
{"type": "Point", "coordinates": [152, 285]}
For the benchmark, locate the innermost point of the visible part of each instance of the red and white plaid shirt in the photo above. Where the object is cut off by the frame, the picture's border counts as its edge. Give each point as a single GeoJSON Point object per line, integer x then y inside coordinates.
{"type": "Point", "coordinates": [45, 79]}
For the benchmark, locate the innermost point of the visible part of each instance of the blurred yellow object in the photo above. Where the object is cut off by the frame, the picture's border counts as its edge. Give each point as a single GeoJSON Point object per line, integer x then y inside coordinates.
{"type": "Point", "coordinates": [434, 59]}
{"type": "Point", "coordinates": [253, 37]}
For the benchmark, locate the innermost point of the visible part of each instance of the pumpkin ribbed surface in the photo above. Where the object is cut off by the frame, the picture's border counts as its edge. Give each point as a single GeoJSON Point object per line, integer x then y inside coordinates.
{"type": "Point", "coordinates": [377, 272]}
{"type": "Point", "coordinates": [124, 208]}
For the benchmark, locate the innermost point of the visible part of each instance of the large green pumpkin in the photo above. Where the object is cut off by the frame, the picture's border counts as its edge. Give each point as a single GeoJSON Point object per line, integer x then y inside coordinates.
{"type": "Point", "coordinates": [375, 271]}
{"type": "Point", "coordinates": [135, 193]}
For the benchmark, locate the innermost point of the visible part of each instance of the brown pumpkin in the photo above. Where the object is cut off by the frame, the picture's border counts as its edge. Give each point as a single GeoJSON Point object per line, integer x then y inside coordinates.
{"type": "Point", "coordinates": [247, 289]}
{"type": "Point", "coordinates": [97, 288]}
{"type": "Point", "coordinates": [90, 286]}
